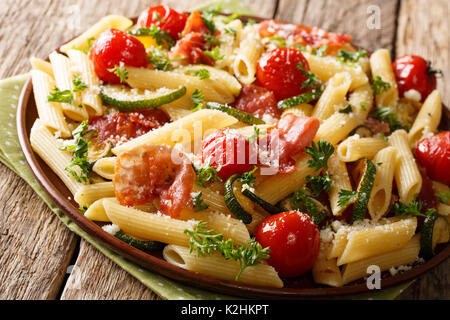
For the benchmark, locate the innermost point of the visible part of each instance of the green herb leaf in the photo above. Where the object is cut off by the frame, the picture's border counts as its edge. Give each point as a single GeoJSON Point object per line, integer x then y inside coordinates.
{"type": "Point", "coordinates": [443, 197]}
{"type": "Point", "coordinates": [255, 135]}
{"type": "Point", "coordinates": [205, 242]}
{"type": "Point", "coordinates": [320, 154]}
{"type": "Point", "coordinates": [201, 73]}
{"type": "Point", "coordinates": [63, 96]}
{"type": "Point", "coordinates": [248, 177]}
{"type": "Point", "coordinates": [198, 99]}
{"type": "Point", "coordinates": [320, 52]}
{"type": "Point", "coordinates": [414, 208]}
{"type": "Point", "coordinates": [80, 154]}
{"type": "Point", "coordinates": [280, 41]}
{"type": "Point", "coordinates": [214, 53]}
{"type": "Point", "coordinates": [206, 174]}
{"type": "Point", "coordinates": [319, 183]}
{"type": "Point", "coordinates": [161, 37]}
{"type": "Point", "coordinates": [311, 79]}
{"type": "Point", "coordinates": [345, 196]}
{"type": "Point", "coordinates": [197, 202]}
{"type": "Point", "coordinates": [378, 85]}
{"type": "Point", "coordinates": [300, 200]}
{"type": "Point", "coordinates": [347, 109]}
{"type": "Point", "coordinates": [230, 31]}
{"type": "Point", "coordinates": [386, 114]}
{"type": "Point", "coordinates": [121, 72]}
{"type": "Point", "coordinates": [79, 85]}
{"type": "Point", "coordinates": [345, 56]}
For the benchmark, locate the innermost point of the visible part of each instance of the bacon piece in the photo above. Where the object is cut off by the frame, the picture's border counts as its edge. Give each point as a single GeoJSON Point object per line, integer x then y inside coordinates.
{"type": "Point", "coordinates": [257, 101]}
{"type": "Point", "coordinates": [195, 24]}
{"type": "Point", "coordinates": [190, 47]}
{"type": "Point", "coordinates": [377, 126]}
{"type": "Point", "coordinates": [117, 127]}
{"type": "Point", "coordinates": [290, 137]}
{"type": "Point", "coordinates": [149, 171]}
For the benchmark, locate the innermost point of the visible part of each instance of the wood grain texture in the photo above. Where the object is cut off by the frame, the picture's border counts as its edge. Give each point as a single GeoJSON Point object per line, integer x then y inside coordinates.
{"type": "Point", "coordinates": [95, 277]}
{"type": "Point", "coordinates": [346, 16]}
{"type": "Point", "coordinates": [35, 246]}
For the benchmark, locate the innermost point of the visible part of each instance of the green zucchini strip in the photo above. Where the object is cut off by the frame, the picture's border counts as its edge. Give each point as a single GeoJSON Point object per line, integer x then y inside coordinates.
{"type": "Point", "coordinates": [365, 187]}
{"type": "Point", "coordinates": [139, 244]}
{"type": "Point", "coordinates": [270, 208]}
{"type": "Point", "coordinates": [232, 202]}
{"type": "Point", "coordinates": [238, 114]}
{"type": "Point", "coordinates": [300, 99]}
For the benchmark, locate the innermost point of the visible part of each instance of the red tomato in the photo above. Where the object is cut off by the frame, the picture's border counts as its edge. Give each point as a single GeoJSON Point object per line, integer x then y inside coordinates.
{"type": "Point", "coordinates": [120, 127]}
{"type": "Point", "coordinates": [277, 71]}
{"type": "Point", "coordinates": [165, 18]}
{"type": "Point", "coordinates": [257, 101]}
{"type": "Point", "coordinates": [228, 151]}
{"type": "Point", "coordinates": [114, 47]}
{"type": "Point", "coordinates": [434, 154]}
{"type": "Point", "coordinates": [294, 241]}
{"type": "Point", "coordinates": [414, 72]}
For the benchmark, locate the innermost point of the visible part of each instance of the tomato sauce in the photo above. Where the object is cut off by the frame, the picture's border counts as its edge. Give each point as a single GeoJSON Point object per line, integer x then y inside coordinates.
{"type": "Point", "coordinates": [121, 127]}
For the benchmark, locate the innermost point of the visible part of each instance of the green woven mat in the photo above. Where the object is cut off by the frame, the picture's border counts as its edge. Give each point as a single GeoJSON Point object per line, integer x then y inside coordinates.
{"type": "Point", "coordinates": [11, 156]}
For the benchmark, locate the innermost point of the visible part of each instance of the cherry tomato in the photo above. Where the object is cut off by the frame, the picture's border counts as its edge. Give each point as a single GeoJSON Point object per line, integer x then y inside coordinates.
{"type": "Point", "coordinates": [434, 154]}
{"type": "Point", "coordinates": [414, 72]}
{"type": "Point", "coordinates": [227, 151]}
{"type": "Point", "coordinates": [294, 241]}
{"type": "Point", "coordinates": [165, 18]}
{"type": "Point", "coordinates": [114, 47]}
{"type": "Point", "coordinates": [277, 70]}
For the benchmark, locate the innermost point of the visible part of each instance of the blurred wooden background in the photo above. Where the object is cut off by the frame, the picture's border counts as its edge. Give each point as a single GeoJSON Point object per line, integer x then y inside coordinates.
{"type": "Point", "coordinates": [37, 250]}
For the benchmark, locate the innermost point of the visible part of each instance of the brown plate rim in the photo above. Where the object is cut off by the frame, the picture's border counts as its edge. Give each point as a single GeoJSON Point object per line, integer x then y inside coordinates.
{"type": "Point", "coordinates": [176, 273]}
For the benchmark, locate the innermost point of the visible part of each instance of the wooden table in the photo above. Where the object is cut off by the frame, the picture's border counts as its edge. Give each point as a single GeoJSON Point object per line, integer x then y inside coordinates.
{"type": "Point", "coordinates": [37, 249]}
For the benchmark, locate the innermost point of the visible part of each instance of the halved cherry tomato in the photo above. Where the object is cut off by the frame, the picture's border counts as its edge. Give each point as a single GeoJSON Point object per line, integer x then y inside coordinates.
{"type": "Point", "coordinates": [294, 241]}
{"type": "Point", "coordinates": [165, 18]}
{"type": "Point", "coordinates": [113, 48]}
{"type": "Point", "coordinates": [277, 70]}
{"type": "Point", "coordinates": [414, 72]}
{"type": "Point", "coordinates": [434, 154]}
{"type": "Point", "coordinates": [228, 152]}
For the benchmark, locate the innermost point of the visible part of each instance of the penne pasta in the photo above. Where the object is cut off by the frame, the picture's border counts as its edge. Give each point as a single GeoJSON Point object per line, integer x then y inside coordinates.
{"type": "Point", "coordinates": [381, 65]}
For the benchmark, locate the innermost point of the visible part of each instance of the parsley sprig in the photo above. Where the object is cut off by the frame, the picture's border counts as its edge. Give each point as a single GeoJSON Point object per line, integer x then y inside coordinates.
{"type": "Point", "coordinates": [347, 109]}
{"type": "Point", "coordinates": [121, 72]}
{"type": "Point", "coordinates": [80, 154]}
{"type": "Point", "coordinates": [443, 197]}
{"type": "Point", "coordinates": [248, 177]}
{"type": "Point", "coordinates": [79, 85]}
{"type": "Point", "coordinates": [311, 79]}
{"type": "Point", "coordinates": [206, 174]}
{"type": "Point", "coordinates": [205, 242]}
{"type": "Point", "coordinates": [197, 202]}
{"type": "Point", "coordinates": [319, 183]}
{"type": "Point", "coordinates": [386, 114]}
{"type": "Point", "coordinates": [201, 73]}
{"type": "Point", "coordinates": [346, 196]}
{"type": "Point", "coordinates": [379, 86]}
{"type": "Point", "coordinates": [345, 56]}
{"type": "Point", "coordinates": [320, 153]}
{"type": "Point", "coordinates": [198, 99]}
{"type": "Point", "coordinates": [161, 37]}
{"type": "Point", "coordinates": [214, 53]}
{"type": "Point", "coordinates": [63, 96]}
{"type": "Point", "coordinates": [414, 208]}
{"type": "Point", "coordinates": [301, 200]}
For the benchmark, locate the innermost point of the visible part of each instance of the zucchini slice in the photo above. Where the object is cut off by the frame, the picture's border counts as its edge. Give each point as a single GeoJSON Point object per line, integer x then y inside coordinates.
{"type": "Point", "coordinates": [308, 205]}
{"type": "Point", "coordinates": [133, 99]}
{"type": "Point", "coordinates": [300, 99]}
{"type": "Point", "coordinates": [270, 208]}
{"type": "Point", "coordinates": [427, 238]}
{"type": "Point", "coordinates": [232, 202]}
{"type": "Point", "coordinates": [238, 114]}
{"type": "Point", "coordinates": [139, 244]}
{"type": "Point", "coordinates": [364, 189]}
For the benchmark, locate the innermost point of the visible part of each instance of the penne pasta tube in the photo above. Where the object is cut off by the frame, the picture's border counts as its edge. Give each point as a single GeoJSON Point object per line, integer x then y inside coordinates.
{"type": "Point", "coordinates": [381, 65]}
{"type": "Point", "coordinates": [42, 65]}
{"type": "Point", "coordinates": [217, 266]}
{"type": "Point", "coordinates": [90, 193]}
{"type": "Point", "coordinates": [104, 167]}
{"type": "Point", "coordinates": [96, 211]}
{"type": "Point", "coordinates": [303, 110]}
{"type": "Point", "coordinates": [407, 176]}
{"type": "Point", "coordinates": [339, 181]}
{"type": "Point", "coordinates": [354, 148]}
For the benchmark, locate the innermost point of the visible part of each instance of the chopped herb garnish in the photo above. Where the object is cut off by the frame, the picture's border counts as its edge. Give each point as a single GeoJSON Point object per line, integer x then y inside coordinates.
{"type": "Point", "coordinates": [280, 41]}
{"type": "Point", "coordinates": [346, 196]}
{"type": "Point", "coordinates": [197, 202]}
{"type": "Point", "coordinates": [198, 99]}
{"type": "Point", "coordinates": [319, 183]}
{"type": "Point", "coordinates": [79, 85]}
{"type": "Point", "coordinates": [257, 132]}
{"type": "Point", "coordinates": [414, 208]}
{"type": "Point", "coordinates": [230, 31]}
{"type": "Point", "coordinates": [161, 37]}
{"type": "Point", "coordinates": [211, 40]}
{"type": "Point", "coordinates": [378, 85]}
{"type": "Point", "coordinates": [363, 106]}
{"type": "Point", "coordinates": [214, 53]}
{"type": "Point", "coordinates": [347, 109]}
{"type": "Point", "coordinates": [63, 96]}
{"type": "Point", "coordinates": [311, 79]}
{"type": "Point", "coordinates": [248, 177]}
{"type": "Point", "coordinates": [386, 114]}
{"type": "Point", "coordinates": [201, 73]}
{"type": "Point", "coordinates": [207, 17]}
{"type": "Point", "coordinates": [300, 200]}
{"type": "Point", "coordinates": [345, 56]}
{"type": "Point", "coordinates": [80, 154]}
{"type": "Point", "coordinates": [121, 72]}
{"type": "Point", "coordinates": [205, 242]}
{"type": "Point", "coordinates": [320, 154]}
{"type": "Point", "coordinates": [206, 174]}
{"type": "Point", "coordinates": [156, 16]}
{"type": "Point", "coordinates": [443, 197]}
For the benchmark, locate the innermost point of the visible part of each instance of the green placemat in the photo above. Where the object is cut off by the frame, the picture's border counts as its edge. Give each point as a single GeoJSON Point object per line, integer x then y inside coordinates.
{"type": "Point", "coordinates": [11, 156]}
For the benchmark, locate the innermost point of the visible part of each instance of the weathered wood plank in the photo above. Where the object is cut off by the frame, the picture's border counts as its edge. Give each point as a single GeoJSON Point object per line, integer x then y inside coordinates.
{"type": "Point", "coordinates": [346, 16]}
{"type": "Point", "coordinates": [423, 30]}
{"type": "Point", "coordinates": [35, 246]}
{"type": "Point", "coordinates": [95, 277]}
